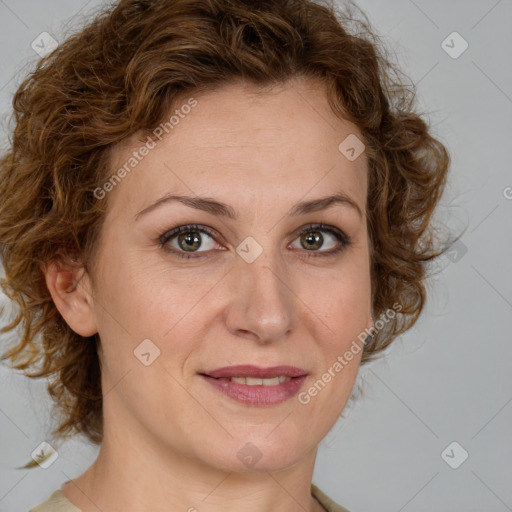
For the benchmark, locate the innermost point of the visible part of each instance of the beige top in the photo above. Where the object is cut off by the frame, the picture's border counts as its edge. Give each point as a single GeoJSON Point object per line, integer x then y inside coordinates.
{"type": "Point", "coordinates": [57, 502]}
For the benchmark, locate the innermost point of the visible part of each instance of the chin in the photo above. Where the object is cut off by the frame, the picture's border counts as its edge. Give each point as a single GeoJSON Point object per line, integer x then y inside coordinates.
{"type": "Point", "coordinates": [259, 453]}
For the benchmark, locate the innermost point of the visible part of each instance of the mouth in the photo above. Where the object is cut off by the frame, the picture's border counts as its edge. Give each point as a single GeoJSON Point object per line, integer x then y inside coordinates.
{"type": "Point", "coordinates": [253, 381]}
{"type": "Point", "coordinates": [253, 385]}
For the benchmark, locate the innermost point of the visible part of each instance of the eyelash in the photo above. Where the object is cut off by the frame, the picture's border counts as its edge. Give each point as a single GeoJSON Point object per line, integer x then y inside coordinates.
{"type": "Point", "coordinates": [344, 240]}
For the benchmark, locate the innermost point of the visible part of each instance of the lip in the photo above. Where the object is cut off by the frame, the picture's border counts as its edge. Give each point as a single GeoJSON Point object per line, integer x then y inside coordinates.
{"type": "Point", "coordinates": [260, 395]}
{"type": "Point", "coordinates": [249, 370]}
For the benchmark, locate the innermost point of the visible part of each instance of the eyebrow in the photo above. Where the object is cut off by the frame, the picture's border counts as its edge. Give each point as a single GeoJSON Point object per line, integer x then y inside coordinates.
{"type": "Point", "coordinates": [223, 210]}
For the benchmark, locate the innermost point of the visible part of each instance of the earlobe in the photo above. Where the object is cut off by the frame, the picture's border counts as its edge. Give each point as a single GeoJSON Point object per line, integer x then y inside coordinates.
{"type": "Point", "coordinates": [68, 286]}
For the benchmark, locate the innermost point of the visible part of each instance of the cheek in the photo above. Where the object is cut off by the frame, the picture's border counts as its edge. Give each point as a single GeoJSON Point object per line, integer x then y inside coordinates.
{"type": "Point", "coordinates": [121, 288]}
{"type": "Point", "coordinates": [139, 299]}
{"type": "Point", "coordinates": [342, 298]}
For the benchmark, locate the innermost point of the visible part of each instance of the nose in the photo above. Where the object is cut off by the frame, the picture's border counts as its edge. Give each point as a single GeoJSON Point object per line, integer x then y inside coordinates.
{"type": "Point", "coordinates": [263, 305]}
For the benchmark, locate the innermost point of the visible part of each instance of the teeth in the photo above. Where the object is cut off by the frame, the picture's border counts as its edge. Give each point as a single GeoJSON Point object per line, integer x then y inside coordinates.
{"type": "Point", "coordinates": [251, 381]}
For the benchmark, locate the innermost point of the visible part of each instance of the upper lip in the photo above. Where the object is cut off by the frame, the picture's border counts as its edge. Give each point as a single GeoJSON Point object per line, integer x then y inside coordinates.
{"type": "Point", "coordinates": [256, 371]}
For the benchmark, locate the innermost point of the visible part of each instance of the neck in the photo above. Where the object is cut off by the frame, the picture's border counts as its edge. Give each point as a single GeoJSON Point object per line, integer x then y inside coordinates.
{"type": "Point", "coordinates": [132, 473]}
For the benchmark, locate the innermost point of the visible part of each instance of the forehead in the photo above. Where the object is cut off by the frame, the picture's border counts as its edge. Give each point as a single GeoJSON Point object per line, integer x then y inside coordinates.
{"type": "Point", "coordinates": [244, 141]}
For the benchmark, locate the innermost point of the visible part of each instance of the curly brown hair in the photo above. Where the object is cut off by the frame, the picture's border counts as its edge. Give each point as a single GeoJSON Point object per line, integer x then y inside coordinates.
{"type": "Point", "coordinates": [122, 74]}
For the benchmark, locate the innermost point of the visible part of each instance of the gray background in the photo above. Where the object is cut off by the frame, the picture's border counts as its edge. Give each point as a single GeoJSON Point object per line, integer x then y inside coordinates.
{"type": "Point", "coordinates": [449, 378]}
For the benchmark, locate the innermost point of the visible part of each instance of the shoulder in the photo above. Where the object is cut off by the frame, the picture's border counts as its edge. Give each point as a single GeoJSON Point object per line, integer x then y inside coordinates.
{"type": "Point", "coordinates": [325, 501]}
{"type": "Point", "coordinates": [57, 502]}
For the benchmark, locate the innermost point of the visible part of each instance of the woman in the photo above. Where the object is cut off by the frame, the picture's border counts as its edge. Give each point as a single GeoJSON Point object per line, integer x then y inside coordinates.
{"type": "Point", "coordinates": [213, 212]}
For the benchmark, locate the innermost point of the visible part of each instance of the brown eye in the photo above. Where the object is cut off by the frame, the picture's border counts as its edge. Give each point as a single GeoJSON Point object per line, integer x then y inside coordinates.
{"type": "Point", "coordinates": [312, 240]}
{"type": "Point", "coordinates": [188, 239]}
{"type": "Point", "coordinates": [320, 240]}
{"type": "Point", "coordinates": [191, 241]}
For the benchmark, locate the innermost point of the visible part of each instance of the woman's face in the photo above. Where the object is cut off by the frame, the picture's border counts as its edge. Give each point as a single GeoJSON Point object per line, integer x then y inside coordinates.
{"type": "Point", "coordinates": [254, 290]}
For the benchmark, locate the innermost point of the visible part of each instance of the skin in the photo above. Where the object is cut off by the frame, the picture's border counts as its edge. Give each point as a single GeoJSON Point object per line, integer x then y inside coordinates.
{"type": "Point", "coordinates": [170, 439]}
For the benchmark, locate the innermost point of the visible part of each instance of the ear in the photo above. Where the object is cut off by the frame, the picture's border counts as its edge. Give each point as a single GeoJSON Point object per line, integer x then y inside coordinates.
{"type": "Point", "coordinates": [69, 287]}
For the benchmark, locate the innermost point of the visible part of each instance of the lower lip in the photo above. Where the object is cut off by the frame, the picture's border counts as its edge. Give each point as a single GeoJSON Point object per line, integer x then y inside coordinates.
{"type": "Point", "coordinates": [259, 394]}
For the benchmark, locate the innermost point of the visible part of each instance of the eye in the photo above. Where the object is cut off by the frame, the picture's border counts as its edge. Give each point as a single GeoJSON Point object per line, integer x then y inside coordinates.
{"type": "Point", "coordinates": [185, 241]}
{"type": "Point", "coordinates": [311, 239]}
